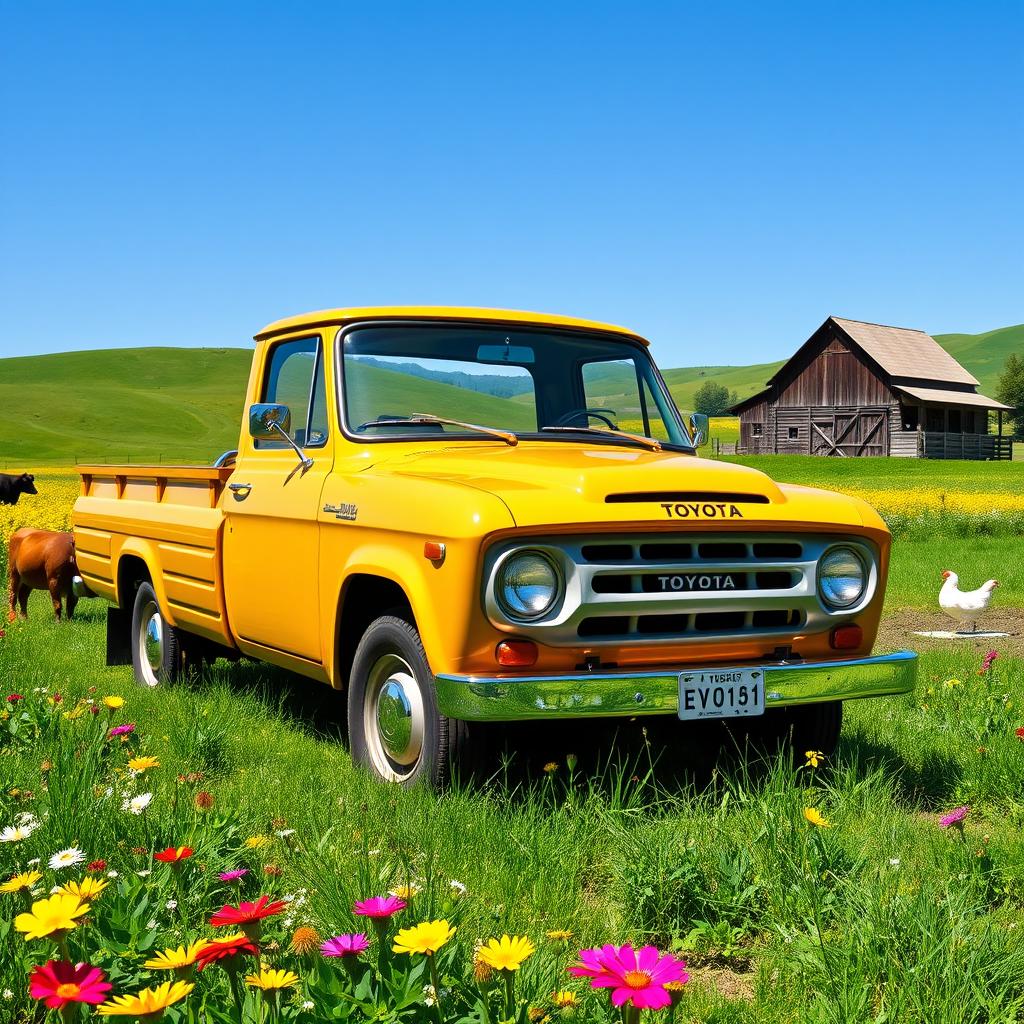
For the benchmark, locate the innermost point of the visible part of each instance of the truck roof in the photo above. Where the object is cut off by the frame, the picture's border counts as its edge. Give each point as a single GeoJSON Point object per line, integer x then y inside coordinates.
{"type": "Point", "coordinates": [326, 317]}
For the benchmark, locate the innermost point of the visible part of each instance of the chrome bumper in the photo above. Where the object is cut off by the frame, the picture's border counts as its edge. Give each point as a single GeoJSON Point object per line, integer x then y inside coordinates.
{"type": "Point", "coordinates": [606, 694]}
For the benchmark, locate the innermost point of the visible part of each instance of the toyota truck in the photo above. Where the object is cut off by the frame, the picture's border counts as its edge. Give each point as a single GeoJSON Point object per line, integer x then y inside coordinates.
{"type": "Point", "coordinates": [458, 516]}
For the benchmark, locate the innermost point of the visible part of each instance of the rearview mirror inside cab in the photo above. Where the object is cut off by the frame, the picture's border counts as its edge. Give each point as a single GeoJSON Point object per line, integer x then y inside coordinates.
{"type": "Point", "coordinates": [516, 354]}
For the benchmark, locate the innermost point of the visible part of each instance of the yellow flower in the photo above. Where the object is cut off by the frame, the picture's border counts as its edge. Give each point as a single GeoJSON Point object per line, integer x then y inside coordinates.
{"type": "Point", "coordinates": [506, 953]}
{"type": "Point", "coordinates": [427, 937]}
{"type": "Point", "coordinates": [814, 758]}
{"type": "Point", "coordinates": [53, 914]}
{"type": "Point", "coordinates": [269, 980]}
{"type": "Point", "coordinates": [176, 959]}
{"type": "Point", "coordinates": [87, 889]}
{"type": "Point", "coordinates": [305, 940]}
{"type": "Point", "coordinates": [405, 892]}
{"type": "Point", "coordinates": [148, 1001]}
{"type": "Point", "coordinates": [143, 764]}
{"type": "Point", "coordinates": [814, 816]}
{"type": "Point", "coordinates": [551, 766]}
{"type": "Point", "coordinates": [950, 683]}
{"type": "Point", "coordinates": [23, 881]}
{"type": "Point", "coordinates": [559, 936]}
{"type": "Point", "coordinates": [257, 842]}
{"type": "Point", "coordinates": [564, 999]}
{"type": "Point", "coordinates": [113, 702]}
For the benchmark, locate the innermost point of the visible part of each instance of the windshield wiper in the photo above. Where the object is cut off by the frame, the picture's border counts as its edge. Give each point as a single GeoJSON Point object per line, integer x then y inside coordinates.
{"type": "Point", "coordinates": [423, 417]}
{"type": "Point", "coordinates": [615, 435]}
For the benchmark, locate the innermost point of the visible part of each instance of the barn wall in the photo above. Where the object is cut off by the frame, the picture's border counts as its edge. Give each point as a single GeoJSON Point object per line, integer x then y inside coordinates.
{"type": "Point", "coordinates": [834, 375]}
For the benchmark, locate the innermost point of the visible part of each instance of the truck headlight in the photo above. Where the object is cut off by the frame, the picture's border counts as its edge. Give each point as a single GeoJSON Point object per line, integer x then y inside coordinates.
{"type": "Point", "coordinates": [527, 585]}
{"type": "Point", "coordinates": [841, 577]}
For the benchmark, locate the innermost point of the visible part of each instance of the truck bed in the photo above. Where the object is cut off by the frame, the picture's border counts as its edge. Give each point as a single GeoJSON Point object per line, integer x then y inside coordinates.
{"type": "Point", "coordinates": [167, 516]}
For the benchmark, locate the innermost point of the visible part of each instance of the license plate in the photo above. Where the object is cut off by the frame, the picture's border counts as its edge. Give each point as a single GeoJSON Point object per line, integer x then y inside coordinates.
{"type": "Point", "coordinates": [721, 693]}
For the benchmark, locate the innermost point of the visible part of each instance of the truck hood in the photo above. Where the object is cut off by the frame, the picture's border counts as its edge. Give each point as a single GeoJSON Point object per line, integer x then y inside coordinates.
{"type": "Point", "coordinates": [553, 484]}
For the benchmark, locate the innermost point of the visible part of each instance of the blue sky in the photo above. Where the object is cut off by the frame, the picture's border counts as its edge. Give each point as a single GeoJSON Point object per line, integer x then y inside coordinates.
{"type": "Point", "coordinates": [719, 177]}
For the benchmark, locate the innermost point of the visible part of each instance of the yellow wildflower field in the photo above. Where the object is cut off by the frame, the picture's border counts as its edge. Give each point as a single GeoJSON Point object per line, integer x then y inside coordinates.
{"type": "Point", "coordinates": [50, 509]}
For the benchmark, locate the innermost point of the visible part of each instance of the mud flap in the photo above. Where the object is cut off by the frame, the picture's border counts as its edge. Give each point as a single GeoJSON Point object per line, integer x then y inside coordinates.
{"type": "Point", "coordinates": [119, 639]}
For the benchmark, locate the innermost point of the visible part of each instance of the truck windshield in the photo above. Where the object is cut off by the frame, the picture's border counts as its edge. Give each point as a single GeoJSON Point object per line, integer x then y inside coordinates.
{"type": "Point", "coordinates": [396, 377]}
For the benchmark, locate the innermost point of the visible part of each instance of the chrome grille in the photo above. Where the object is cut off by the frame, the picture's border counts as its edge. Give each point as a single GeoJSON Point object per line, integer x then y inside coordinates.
{"type": "Point", "coordinates": [657, 588]}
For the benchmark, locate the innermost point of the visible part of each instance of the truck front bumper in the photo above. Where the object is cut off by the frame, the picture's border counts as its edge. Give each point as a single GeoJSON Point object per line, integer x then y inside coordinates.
{"type": "Point", "coordinates": [627, 694]}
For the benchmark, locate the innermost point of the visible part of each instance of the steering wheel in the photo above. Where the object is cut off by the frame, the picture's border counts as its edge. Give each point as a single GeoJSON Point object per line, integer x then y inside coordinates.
{"type": "Point", "coordinates": [598, 414]}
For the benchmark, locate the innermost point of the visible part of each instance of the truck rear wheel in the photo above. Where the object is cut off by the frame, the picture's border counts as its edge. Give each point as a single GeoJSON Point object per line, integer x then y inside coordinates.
{"type": "Point", "coordinates": [394, 727]}
{"type": "Point", "coordinates": [156, 646]}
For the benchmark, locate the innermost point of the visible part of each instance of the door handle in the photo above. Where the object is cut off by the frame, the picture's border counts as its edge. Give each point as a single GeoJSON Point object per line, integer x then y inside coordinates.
{"type": "Point", "coordinates": [240, 490]}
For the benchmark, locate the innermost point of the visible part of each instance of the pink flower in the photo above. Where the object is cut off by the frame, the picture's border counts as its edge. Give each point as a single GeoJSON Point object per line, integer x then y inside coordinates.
{"type": "Point", "coordinates": [379, 906]}
{"type": "Point", "coordinates": [986, 662]}
{"type": "Point", "coordinates": [955, 818]}
{"type": "Point", "coordinates": [233, 876]}
{"type": "Point", "coordinates": [346, 945]}
{"type": "Point", "coordinates": [59, 983]}
{"type": "Point", "coordinates": [122, 730]}
{"type": "Point", "coordinates": [637, 977]}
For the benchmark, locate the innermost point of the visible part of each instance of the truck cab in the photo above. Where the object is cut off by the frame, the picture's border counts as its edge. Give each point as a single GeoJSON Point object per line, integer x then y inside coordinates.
{"type": "Point", "coordinates": [460, 515]}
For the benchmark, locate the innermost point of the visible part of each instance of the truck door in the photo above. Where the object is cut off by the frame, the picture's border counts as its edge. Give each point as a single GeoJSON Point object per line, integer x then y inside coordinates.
{"type": "Point", "coordinates": [271, 536]}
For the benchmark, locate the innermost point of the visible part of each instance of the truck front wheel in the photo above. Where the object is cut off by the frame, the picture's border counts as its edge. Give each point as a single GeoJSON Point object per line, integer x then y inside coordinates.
{"type": "Point", "coordinates": [156, 645]}
{"type": "Point", "coordinates": [394, 727]}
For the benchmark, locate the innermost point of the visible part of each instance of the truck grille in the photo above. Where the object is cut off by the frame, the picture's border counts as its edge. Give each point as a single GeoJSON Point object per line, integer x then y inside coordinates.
{"type": "Point", "coordinates": [649, 589]}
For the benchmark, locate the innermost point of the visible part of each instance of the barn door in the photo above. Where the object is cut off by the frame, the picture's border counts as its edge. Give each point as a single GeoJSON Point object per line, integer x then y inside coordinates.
{"type": "Point", "coordinates": [850, 433]}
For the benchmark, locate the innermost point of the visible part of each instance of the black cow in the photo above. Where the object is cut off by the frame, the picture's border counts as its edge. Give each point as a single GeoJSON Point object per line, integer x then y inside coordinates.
{"type": "Point", "coordinates": [13, 487]}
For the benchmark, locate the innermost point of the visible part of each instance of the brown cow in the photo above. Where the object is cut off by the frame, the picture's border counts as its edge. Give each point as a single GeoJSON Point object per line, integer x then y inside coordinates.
{"type": "Point", "coordinates": [42, 560]}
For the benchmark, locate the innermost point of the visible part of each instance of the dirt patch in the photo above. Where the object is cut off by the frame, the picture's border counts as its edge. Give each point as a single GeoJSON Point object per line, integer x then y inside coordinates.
{"type": "Point", "coordinates": [735, 981]}
{"type": "Point", "coordinates": [898, 628]}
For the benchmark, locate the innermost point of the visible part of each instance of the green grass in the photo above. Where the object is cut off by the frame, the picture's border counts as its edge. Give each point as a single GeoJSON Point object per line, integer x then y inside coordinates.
{"type": "Point", "coordinates": [884, 916]}
{"type": "Point", "coordinates": [985, 354]}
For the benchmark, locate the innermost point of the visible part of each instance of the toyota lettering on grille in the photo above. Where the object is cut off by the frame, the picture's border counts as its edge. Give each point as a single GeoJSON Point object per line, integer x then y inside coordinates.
{"type": "Point", "coordinates": [677, 582]}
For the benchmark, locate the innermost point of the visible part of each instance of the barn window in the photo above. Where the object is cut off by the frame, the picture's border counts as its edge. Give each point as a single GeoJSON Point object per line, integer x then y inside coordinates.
{"type": "Point", "coordinates": [794, 433]}
{"type": "Point", "coordinates": [757, 429]}
{"type": "Point", "coordinates": [910, 417]}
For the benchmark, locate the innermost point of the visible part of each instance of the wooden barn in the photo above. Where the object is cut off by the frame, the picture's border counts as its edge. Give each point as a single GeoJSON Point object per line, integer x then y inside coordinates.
{"type": "Point", "coordinates": [863, 389]}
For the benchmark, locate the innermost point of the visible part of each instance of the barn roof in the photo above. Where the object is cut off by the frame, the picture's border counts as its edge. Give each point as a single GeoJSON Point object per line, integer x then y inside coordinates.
{"type": "Point", "coordinates": [948, 397]}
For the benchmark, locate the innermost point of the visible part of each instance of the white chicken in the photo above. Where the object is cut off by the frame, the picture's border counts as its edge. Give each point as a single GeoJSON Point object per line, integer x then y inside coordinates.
{"type": "Point", "coordinates": [965, 607]}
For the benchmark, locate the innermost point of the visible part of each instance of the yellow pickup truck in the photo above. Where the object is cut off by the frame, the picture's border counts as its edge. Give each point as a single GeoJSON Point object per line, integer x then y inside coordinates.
{"type": "Point", "coordinates": [466, 515]}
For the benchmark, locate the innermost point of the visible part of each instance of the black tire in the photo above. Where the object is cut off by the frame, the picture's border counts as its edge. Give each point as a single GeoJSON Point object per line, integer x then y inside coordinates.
{"type": "Point", "coordinates": [395, 730]}
{"type": "Point", "coordinates": [157, 648]}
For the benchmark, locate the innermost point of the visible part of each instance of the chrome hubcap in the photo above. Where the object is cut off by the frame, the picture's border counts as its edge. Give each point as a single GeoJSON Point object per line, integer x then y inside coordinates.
{"type": "Point", "coordinates": [151, 644]}
{"type": "Point", "coordinates": [393, 718]}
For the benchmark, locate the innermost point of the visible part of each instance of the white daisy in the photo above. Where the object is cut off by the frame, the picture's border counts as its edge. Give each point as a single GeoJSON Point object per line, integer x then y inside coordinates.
{"type": "Point", "coordinates": [66, 858]}
{"type": "Point", "coordinates": [8, 994]}
{"type": "Point", "coordinates": [14, 833]}
{"type": "Point", "coordinates": [285, 833]}
{"type": "Point", "coordinates": [171, 904]}
{"type": "Point", "coordinates": [457, 887]}
{"type": "Point", "coordinates": [137, 804]}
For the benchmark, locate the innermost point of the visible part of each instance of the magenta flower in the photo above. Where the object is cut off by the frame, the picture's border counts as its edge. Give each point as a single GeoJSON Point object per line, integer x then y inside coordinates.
{"type": "Point", "coordinates": [233, 876]}
{"type": "Point", "coordinates": [637, 977]}
{"type": "Point", "coordinates": [378, 906]}
{"type": "Point", "coordinates": [955, 818]}
{"type": "Point", "coordinates": [346, 945]}
{"type": "Point", "coordinates": [122, 730]}
{"type": "Point", "coordinates": [986, 662]}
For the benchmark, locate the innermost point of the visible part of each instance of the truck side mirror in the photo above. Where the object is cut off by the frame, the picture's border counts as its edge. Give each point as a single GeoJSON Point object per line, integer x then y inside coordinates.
{"type": "Point", "coordinates": [267, 421]}
{"type": "Point", "coordinates": [699, 429]}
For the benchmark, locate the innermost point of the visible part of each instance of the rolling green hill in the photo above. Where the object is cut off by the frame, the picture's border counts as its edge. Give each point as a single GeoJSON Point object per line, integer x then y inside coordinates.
{"type": "Point", "coordinates": [181, 405]}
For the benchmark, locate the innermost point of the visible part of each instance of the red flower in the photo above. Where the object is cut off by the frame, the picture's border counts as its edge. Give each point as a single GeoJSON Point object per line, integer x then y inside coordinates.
{"type": "Point", "coordinates": [58, 983]}
{"type": "Point", "coordinates": [96, 865]}
{"type": "Point", "coordinates": [13, 698]}
{"type": "Point", "coordinates": [173, 854]}
{"type": "Point", "coordinates": [245, 913]}
{"type": "Point", "coordinates": [225, 949]}
{"type": "Point", "coordinates": [1020, 733]}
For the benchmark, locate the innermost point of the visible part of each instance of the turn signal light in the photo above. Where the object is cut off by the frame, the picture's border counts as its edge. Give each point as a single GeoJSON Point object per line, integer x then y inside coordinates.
{"type": "Point", "coordinates": [846, 638]}
{"type": "Point", "coordinates": [434, 550]}
{"type": "Point", "coordinates": [516, 653]}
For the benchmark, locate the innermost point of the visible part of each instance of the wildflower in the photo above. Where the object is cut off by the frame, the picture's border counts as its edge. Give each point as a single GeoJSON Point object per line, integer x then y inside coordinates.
{"type": "Point", "coordinates": [16, 883]}
{"type": "Point", "coordinates": [269, 980]}
{"type": "Point", "coordinates": [204, 800]}
{"type": "Point", "coordinates": [1019, 732]}
{"type": "Point", "coordinates": [571, 761]}
{"type": "Point", "coordinates": [955, 818]}
{"type": "Point", "coordinates": [112, 874]}
{"type": "Point", "coordinates": [148, 1002]}
{"type": "Point", "coordinates": [894, 862]}
{"type": "Point", "coordinates": [86, 890]}
{"type": "Point", "coordinates": [226, 949]}
{"type": "Point", "coordinates": [96, 866]}
{"type": "Point", "coordinates": [950, 683]}
{"type": "Point", "coordinates": [506, 953]}
{"type": "Point", "coordinates": [137, 804]}
{"type": "Point", "coordinates": [550, 767]}
{"type": "Point", "coordinates": [284, 833]}
{"type": "Point", "coordinates": [114, 703]}
{"type": "Point", "coordinates": [814, 758]}
{"type": "Point", "coordinates": [405, 892]}
{"type": "Point", "coordinates": [304, 940]}
{"type": "Point", "coordinates": [346, 945]}
{"type": "Point", "coordinates": [143, 764]}
{"type": "Point", "coordinates": [174, 855]}
{"type": "Point", "coordinates": [247, 916]}
{"type": "Point", "coordinates": [565, 999]}
{"type": "Point", "coordinates": [58, 983]}
{"type": "Point", "coordinates": [986, 662]}
{"type": "Point", "coordinates": [273, 871]}
{"type": "Point", "coordinates": [7, 994]}
{"type": "Point", "coordinates": [66, 858]}
{"type": "Point", "coordinates": [483, 974]}
{"type": "Point", "coordinates": [637, 977]}
{"type": "Point", "coordinates": [13, 698]}
{"type": "Point", "coordinates": [256, 842]}
{"type": "Point", "coordinates": [15, 833]}
{"type": "Point", "coordinates": [180, 959]}
{"type": "Point", "coordinates": [379, 906]}
{"type": "Point", "coordinates": [815, 817]}
{"type": "Point", "coordinates": [233, 876]}
{"type": "Point", "coordinates": [121, 730]}
{"type": "Point", "coordinates": [307, 1004]}
{"type": "Point", "coordinates": [457, 887]}
{"type": "Point", "coordinates": [427, 937]}
{"type": "Point", "coordinates": [559, 935]}
{"type": "Point", "coordinates": [145, 873]}
{"type": "Point", "coordinates": [50, 916]}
